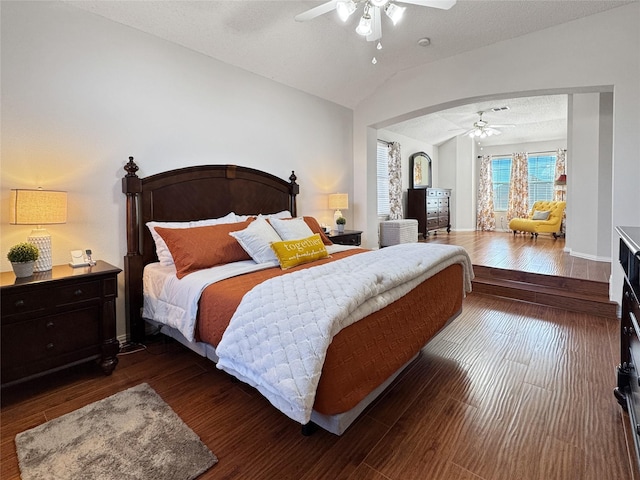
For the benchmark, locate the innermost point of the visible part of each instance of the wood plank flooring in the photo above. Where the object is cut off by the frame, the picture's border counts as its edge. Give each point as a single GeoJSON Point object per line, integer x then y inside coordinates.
{"type": "Point", "coordinates": [508, 390]}
{"type": "Point", "coordinates": [542, 254]}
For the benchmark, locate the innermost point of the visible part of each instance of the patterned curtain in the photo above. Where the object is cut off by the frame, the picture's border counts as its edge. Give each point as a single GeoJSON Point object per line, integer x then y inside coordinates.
{"type": "Point", "coordinates": [395, 182]}
{"type": "Point", "coordinates": [519, 189]}
{"type": "Point", "coordinates": [486, 219]}
{"type": "Point", "coordinates": [561, 169]}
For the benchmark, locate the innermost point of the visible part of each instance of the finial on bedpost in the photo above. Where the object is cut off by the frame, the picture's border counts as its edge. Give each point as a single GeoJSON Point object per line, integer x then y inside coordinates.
{"type": "Point", "coordinates": [131, 168]}
{"type": "Point", "coordinates": [294, 189]}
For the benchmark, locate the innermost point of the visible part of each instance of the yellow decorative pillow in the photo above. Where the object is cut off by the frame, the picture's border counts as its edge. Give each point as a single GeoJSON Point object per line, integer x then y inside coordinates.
{"type": "Point", "coordinates": [296, 252]}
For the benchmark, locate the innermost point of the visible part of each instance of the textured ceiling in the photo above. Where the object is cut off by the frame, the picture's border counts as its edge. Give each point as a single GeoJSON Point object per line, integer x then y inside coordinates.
{"type": "Point", "coordinates": [535, 119]}
{"type": "Point", "coordinates": [325, 57]}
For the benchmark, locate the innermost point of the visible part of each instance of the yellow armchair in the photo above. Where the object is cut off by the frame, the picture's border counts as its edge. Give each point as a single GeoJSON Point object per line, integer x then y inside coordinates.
{"type": "Point", "coordinates": [536, 223]}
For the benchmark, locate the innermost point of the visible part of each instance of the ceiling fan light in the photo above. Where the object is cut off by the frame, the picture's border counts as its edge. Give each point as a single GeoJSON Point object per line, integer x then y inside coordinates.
{"type": "Point", "coordinates": [378, 3]}
{"type": "Point", "coordinates": [364, 27]}
{"type": "Point", "coordinates": [345, 9]}
{"type": "Point", "coordinates": [394, 12]}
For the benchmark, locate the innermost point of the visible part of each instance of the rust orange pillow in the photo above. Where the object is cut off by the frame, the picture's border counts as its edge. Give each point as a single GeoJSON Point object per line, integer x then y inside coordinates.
{"type": "Point", "coordinates": [196, 248]}
{"type": "Point", "coordinates": [316, 228]}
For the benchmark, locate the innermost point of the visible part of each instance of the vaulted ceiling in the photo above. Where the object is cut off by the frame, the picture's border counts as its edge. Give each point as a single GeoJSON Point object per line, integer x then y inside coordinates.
{"type": "Point", "coordinates": [326, 58]}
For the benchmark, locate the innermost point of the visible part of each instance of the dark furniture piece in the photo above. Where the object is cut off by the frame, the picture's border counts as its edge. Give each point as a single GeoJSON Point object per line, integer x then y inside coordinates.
{"type": "Point", "coordinates": [347, 237]}
{"type": "Point", "coordinates": [58, 318]}
{"type": "Point", "coordinates": [431, 207]}
{"type": "Point", "coordinates": [628, 390]}
{"type": "Point", "coordinates": [212, 191]}
{"type": "Point", "coordinates": [185, 194]}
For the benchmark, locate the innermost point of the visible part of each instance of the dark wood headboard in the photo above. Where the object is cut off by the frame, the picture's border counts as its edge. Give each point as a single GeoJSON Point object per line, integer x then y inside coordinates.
{"type": "Point", "coordinates": [184, 194]}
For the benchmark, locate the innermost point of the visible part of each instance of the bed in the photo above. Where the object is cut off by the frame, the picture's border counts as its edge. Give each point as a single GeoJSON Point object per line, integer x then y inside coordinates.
{"type": "Point", "coordinates": [357, 317]}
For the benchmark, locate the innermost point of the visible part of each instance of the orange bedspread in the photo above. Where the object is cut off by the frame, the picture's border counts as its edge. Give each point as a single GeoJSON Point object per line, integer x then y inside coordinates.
{"type": "Point", "coordinates": [220, 300]}
{"type": "Point", "coordinates": [364, 354]}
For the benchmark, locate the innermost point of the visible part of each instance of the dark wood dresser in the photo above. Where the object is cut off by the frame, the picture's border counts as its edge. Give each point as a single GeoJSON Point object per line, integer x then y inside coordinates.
{"type": "Point", "coordinates": [431, 207]}
{"type": "Point", "coordinates": [628, 390]}
{"type": "Point", "coordinates": [56, 319]}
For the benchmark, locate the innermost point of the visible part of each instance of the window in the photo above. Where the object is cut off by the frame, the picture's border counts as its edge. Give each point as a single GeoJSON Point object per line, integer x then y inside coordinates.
{"type": "Point", "coordinates": [382, 179]}
{"type": "Point", "coordinates": [541, 171]}
{"type": "Point", "coordinates": [541, 176]}
{"type": "Point", "coordinates": [501, 173]}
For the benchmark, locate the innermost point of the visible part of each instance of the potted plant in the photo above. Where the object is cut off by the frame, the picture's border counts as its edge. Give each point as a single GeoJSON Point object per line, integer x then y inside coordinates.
{"type": "Point", "coordinates": [22, 257]}
{"type": "Point", "coordinates": [340, 222]}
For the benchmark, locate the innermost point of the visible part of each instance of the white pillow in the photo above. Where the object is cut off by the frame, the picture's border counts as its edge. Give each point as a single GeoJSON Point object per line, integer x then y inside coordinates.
{"type": "Point", "coordinates": [256, 240]}
{"type": "Point", "coordinates": [282, 214]}
{"type": "Point", "coordinates": [293, 229]}
{"type": "Point", "coordinates": [164, 255]}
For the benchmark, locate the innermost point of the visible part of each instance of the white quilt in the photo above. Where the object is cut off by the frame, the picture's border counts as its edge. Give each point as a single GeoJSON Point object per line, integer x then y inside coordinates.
{"type": "Point", "coordinates": [278, 338]}
{"type": "Point", "coordinates": [174, 302]}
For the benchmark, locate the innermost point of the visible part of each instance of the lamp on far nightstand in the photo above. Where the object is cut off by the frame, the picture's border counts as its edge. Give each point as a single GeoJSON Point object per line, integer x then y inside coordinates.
{"type": "Point", "coordinates": [38, 207]}
{"type": "Point", "coordinates": [561, 181]}
{"type": "Point", "coordinates": [337, 202]}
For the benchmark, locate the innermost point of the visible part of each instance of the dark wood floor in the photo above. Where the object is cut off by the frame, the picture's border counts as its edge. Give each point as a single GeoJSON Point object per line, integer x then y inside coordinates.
{"type": "Point", "coordinates": [508, 390]}
{"type": "Point", "coordinates": [542, 254]}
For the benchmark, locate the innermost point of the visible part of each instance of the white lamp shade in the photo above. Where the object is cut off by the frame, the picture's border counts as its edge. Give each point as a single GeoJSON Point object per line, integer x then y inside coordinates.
{"type": "Point", "coordinates": [339, 201]}
{"type": "Point", "coordinates": [37, 207]}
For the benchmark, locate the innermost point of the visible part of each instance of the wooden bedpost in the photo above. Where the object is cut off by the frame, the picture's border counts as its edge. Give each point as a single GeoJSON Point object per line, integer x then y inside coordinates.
{"type": "Point", "coordinates": [295, 190]}
{"type": "Point", "coordinates": [132, 188]}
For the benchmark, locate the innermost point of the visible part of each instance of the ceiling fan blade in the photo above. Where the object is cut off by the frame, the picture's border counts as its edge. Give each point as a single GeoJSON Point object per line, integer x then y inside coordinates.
{"type": "Point", "coordinates": [376, 33]}
{"type": "Point", "coordinates": [316, 11]}
{"type": "Point", "coordinates": [441, 4]}
{"type": "Point", "coordinates": [508, 125]}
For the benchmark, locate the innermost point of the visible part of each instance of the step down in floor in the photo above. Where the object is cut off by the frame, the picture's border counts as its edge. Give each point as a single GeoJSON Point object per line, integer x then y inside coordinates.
{"type": "Point", "coordinates": [574, 294]}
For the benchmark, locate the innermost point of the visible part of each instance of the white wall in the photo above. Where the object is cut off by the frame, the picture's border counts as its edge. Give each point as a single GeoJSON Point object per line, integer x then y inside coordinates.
{"type": "Point", "coordinates": [81, 93]}
{"type": "Point", "coordinates": [464, 186]}
{"type": "Point", "coordinates": [605, 166]}
{"type": "Point", "coordinates": [583, 179]}
{"type": "Point", "coordinates": [456, 171]}
{"type": "Point", "coordinates": [576, 57]}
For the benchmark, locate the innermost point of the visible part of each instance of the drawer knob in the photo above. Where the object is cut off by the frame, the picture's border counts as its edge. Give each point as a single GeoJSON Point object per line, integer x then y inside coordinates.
{"type": "Point", "coordinates": [19, 303]}
{"type": "Point", "coordinates": [49, 346]}
{"type": "Point", "coordinates": [50, 324]}
{"type": "Point", "coordinates": [78, 292]}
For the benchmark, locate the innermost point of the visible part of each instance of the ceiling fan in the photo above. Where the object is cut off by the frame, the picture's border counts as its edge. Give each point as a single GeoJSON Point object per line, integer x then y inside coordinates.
{"type": "Point", "coordinates": [370, 24]}
{"type": "Point", "coordinates": [482, 128]}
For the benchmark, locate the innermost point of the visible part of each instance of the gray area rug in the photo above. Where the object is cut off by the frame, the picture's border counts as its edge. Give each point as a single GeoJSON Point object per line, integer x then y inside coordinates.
{"type": "Point", "coordinates": [133, 434]}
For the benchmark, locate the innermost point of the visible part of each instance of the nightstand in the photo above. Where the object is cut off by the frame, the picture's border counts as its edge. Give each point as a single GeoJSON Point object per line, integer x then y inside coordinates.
{"type": "Point", "coordinates": [348, 237]}
{"type": "Point", "coordinates": [58, 318]}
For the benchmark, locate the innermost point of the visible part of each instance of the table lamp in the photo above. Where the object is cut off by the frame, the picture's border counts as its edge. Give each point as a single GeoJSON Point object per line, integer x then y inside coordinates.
{"type": "Point", "coordinates": [337, 202]}
{"type": "Point", "coordinates": [38, 207]}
